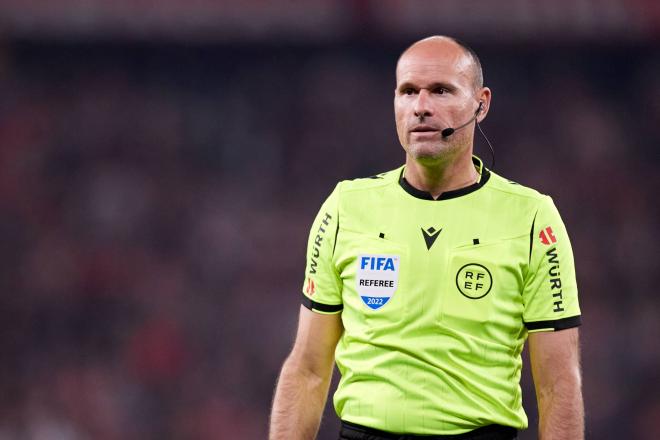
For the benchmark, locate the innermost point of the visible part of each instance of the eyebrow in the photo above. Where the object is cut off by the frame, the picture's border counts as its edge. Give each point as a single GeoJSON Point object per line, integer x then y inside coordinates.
{"type": "Point", "coordinates": [432, 86]}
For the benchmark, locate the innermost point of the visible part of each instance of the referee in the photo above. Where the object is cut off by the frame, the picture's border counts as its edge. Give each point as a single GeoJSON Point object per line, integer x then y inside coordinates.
{"type": "Point", "coordinates": [423, 283]}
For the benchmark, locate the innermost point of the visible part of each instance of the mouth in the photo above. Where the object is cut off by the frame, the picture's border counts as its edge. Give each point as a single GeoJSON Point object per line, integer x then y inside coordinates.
{"type": "Point", "coordinates": [424, 129]}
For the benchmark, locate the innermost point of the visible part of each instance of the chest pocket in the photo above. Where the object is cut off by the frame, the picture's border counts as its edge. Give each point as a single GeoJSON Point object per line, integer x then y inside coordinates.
{"type": "Point", "coordinates": [483, 286]}
{"type": "Point", "coordinates": [372, 270]}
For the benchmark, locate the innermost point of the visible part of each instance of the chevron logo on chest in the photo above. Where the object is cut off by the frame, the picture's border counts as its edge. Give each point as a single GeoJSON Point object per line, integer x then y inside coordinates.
{"type": "Point", "coordinates": [430, 235]}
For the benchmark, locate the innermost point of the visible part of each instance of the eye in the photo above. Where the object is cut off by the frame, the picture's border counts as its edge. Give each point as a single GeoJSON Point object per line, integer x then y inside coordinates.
{"type": "Point", "coordinates": [408, 91]}
{"type": "Point", "coordinates": [440, 90]}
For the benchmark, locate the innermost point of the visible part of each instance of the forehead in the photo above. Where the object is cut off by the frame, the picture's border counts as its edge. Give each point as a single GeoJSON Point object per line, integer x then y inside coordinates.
{"type": "Point", "coordinates": [430, 64]}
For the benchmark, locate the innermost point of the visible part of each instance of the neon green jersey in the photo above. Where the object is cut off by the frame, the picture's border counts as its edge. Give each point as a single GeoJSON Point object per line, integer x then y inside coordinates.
{"type": "Point", "coordinates": [437, 298]}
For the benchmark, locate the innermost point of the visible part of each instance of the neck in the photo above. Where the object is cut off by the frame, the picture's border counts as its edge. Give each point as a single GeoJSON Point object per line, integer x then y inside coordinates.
{"type": "Point", "coordinates": [443, 175]}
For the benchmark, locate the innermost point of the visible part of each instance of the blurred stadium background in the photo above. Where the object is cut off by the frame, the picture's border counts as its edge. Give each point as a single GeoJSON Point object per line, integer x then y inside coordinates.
{"type": "Point", "coordinates": [161, 163]}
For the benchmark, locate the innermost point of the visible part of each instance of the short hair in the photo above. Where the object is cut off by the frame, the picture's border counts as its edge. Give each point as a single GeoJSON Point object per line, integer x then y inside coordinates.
{"type": "Point", "coordinates": [478, 71]}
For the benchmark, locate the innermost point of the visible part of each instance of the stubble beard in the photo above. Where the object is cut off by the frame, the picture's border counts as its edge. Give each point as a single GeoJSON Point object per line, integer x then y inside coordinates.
{"type": "Point", "coordinates": [430, 152]}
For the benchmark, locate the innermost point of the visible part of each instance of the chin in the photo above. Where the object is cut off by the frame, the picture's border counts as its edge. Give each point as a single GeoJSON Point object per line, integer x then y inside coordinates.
{"type": "Point", "coordinates": [434, 152]}
{"type": "Point", "coordinates": [426, 152]}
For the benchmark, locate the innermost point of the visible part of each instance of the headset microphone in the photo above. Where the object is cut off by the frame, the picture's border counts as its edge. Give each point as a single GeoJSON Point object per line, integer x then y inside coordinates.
{"type": "Point", "coordinates": [449, 131]}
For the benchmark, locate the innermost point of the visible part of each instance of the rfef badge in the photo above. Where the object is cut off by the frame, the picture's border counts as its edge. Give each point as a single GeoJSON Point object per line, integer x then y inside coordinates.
{"type": "Point", "coordinates": [377, 278]}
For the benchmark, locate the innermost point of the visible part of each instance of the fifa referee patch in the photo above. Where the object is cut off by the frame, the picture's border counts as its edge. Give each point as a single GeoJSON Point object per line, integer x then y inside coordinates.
{"type": "Point", "coordinates": [377, 279]}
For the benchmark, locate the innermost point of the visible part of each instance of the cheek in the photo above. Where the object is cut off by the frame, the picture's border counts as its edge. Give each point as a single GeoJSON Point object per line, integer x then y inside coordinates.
{"type": "Point", "coordinates": [400, 121]}
{"type": "Point", "coordinates": [402, 133]}
{"type": "Point", "coordinates": [399, 114]}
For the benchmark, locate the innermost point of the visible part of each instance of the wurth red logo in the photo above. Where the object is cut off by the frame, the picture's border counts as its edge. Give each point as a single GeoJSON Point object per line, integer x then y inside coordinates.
{"type": "Point", "coordinates": [547, 237]}
{"type": "Point", "coordinates": [311, 287]}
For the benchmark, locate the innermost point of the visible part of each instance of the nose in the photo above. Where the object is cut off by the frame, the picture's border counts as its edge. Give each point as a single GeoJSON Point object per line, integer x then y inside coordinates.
{"type": "Point", "coordinates": [423, 104]}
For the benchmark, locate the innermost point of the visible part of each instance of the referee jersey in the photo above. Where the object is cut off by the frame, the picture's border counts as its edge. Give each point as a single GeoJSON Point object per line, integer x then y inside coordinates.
{"type": "Point", "coordinates": [437, 298]}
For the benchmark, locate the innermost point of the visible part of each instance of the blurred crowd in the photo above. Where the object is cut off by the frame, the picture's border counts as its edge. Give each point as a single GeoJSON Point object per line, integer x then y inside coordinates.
{"type": "Point", "coordinates": [155, 202]}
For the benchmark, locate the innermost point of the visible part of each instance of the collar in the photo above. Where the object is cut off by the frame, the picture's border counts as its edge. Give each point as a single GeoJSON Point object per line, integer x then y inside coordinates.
{"type": "Point", "coordinates": [484, 175]}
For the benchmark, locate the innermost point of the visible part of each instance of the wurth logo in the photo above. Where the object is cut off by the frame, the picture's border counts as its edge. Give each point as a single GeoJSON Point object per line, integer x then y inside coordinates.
{"type": "Point", "coordinates": [547, 237]}
{"type": "Point", "coordinates": [555, 280]}
{"type": "Point", "coordinates": [316, 250]}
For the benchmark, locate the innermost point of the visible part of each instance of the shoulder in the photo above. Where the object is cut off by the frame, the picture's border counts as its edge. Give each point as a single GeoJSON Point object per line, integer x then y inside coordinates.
{"type": "Point", "coordinates": [353, 193]}
{"type": "Point", "coordinates": [366, 184]}
{"type": "Point", "coordinates": [503, 187]}
{"type": "Point", "coordinates": [509, 197]}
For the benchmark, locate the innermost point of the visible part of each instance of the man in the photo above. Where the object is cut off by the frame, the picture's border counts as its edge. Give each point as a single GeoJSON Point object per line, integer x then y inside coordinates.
{"type": "Point", "coordinates": [424, 283]}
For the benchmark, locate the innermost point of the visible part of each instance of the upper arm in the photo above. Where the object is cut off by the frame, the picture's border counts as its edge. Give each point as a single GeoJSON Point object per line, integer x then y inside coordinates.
{"type": "Point", "coordinates": [550, 293]}
{"type": "Point", "coordinates": [319, 324]}
{"type": "Point", "coordinates": [554, 357]}
{"type": "Point", "coordinates": [316, 340]}
{"type": "Point", "coordinates": [322, 288]}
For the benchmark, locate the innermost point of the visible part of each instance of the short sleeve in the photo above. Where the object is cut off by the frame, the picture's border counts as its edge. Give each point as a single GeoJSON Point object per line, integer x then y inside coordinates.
{"type": "Point", "coordinates": [550, 293]}
{"type": "Point", "coordinates": [322, 286]}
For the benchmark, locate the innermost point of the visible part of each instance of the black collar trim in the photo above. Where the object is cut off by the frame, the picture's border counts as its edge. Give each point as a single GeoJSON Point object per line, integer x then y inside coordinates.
{"type": "Point", "coordinates": [418, 193]}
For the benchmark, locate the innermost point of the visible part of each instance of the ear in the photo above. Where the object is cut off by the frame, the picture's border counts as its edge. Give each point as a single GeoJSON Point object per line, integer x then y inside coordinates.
{"type": "Point", "coordinates": [484, 97]}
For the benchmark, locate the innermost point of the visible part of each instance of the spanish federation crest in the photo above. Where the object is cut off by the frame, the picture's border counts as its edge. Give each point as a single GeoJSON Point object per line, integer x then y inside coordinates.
{"type": "Point", "coordinates": [377, 278]}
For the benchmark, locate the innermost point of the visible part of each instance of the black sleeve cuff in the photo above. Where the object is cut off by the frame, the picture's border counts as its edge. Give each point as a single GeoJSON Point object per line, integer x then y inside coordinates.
{"type": "Point", "coordinates": [325, 308]}
{"type": "Point", "coordinates": [556, 324]}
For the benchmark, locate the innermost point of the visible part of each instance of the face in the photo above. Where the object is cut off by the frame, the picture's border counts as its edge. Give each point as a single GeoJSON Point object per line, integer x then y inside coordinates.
{"type": "Point", "coordinates": [434, 80]}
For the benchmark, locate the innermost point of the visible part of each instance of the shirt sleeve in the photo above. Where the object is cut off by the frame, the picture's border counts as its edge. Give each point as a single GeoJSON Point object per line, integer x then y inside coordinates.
{"type": "Point", "coordinates": [550, 293]}
{"type": "Point", "coordinates": [322, 286]}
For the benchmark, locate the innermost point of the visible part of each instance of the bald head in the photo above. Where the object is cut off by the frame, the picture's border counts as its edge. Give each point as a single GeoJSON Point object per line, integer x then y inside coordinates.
{"type": "Point", "coordinates": [443, 47]}
{"type": "Point", "coordinates": [438, 85]}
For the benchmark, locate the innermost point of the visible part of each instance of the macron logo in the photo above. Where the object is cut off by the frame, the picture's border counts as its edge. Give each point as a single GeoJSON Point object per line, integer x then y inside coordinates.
{"type": "Point", "coordinates": [429, 236]}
